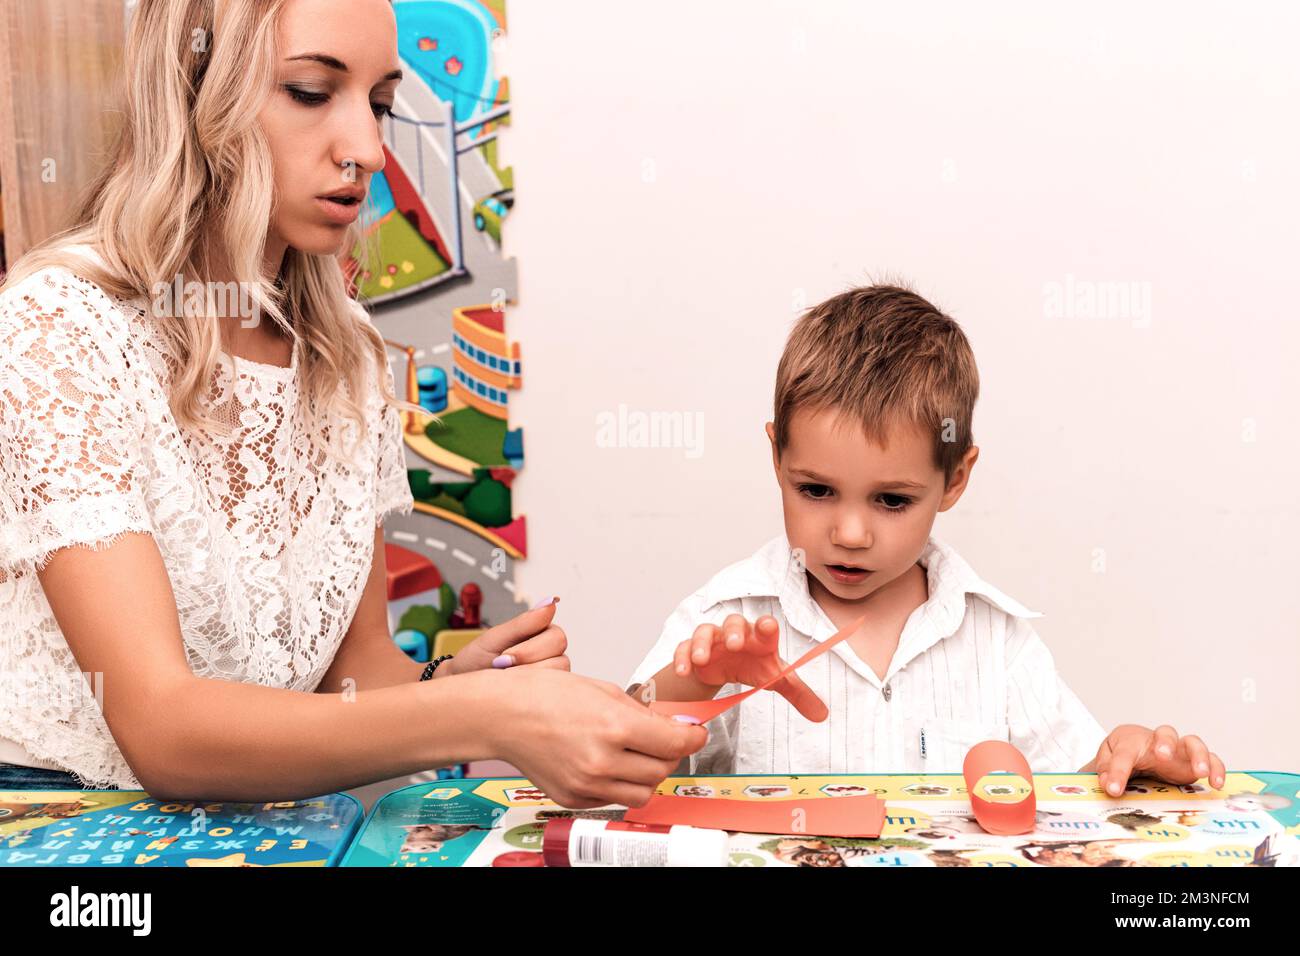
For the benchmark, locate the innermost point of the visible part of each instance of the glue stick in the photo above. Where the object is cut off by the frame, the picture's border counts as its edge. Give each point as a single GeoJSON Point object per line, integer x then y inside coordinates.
{"type": "Point", "coordinates": [571, 841]}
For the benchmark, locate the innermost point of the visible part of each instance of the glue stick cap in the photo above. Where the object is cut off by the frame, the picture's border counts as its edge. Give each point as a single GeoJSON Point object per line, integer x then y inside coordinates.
{"type": "Point", "coordinates": [696, 846]}
{"type": "Point", "coordinates": [555, 841]}
{"type": "Point", "coordinates": [518, 858]}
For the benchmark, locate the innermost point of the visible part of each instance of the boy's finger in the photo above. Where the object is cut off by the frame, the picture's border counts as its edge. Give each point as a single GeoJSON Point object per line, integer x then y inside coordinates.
{"type": "Point", "coordinates": [735, 630]}
{"type": "Point", "coordinates": [802, 698]}
{"type": "Point", "coordinates": [1198, 755]}
{"type": "Point", "coordinates": [1120, 765]}
{"type": "Point", "coordinates": [1166, 742]}
{"type": "Point", "coordinates": [682, 658]}
{"type": "Point", "coordinates": [702, 644]}
{"type": "Point", "coordinates": [1218, 772]}
{"type": "Point", "coordinates": [764, 636]}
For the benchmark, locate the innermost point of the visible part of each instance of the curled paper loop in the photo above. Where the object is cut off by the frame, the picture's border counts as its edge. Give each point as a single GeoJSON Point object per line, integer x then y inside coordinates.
{"type": "Point", "coordinates": [1001, 787]}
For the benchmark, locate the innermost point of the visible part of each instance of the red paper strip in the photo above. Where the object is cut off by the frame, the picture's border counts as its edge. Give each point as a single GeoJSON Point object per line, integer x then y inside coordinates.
{"type": "Point", "coordinates": [706, 710]}
{"type": "Point", "coordinates": [1002, 804]}
{"type": "Point", "coordinates": [853, 816]}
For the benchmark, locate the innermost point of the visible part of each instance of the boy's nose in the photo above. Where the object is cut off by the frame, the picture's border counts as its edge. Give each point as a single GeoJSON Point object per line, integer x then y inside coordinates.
{"type": "Point", "coordinates": [851, 532]}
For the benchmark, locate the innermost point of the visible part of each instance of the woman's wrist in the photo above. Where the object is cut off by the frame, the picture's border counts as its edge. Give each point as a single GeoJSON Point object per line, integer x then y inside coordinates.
{"type": "Point", "coordinates": [474, 707]}
{"type": "Point", "coordinates": [499, 710]}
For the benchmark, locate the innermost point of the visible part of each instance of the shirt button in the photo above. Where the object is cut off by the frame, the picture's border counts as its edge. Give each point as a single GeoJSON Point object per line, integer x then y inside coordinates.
{"type": "Point", "coordinates": [885, 690]}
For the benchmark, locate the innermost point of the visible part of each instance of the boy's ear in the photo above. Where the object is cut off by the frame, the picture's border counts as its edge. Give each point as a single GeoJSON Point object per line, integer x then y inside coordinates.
{"type": "Point", "coordinates": [771, 437]}
{"type": "Point", "coordinates": [960, 476]}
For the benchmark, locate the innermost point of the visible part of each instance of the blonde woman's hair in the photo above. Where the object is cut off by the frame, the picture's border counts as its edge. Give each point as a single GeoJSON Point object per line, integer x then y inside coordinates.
{"type": "Point", "coordinates": [881, 355]}
{"type": "Point", "coordinates": [189, 182]}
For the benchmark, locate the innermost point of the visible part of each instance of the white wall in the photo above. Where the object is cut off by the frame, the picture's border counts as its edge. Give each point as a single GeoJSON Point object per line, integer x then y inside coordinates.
{"type": "Point", "coordinates": [689, 172]}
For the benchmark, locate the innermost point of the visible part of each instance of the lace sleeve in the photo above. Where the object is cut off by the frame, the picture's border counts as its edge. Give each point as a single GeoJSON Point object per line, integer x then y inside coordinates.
{"type": "Point", "coordinates": [71, 432]}
{"type": "Point", "coordinates": [392, 489]}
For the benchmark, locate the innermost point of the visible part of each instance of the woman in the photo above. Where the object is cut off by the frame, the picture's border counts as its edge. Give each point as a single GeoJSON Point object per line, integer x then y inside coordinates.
{"type": "Point", "coordinates": [191, 562]}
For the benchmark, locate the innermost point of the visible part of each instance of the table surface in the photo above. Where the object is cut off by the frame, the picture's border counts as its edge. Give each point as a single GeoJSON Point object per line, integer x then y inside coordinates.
{"type": "Point", "coordinates": [1253, 821]}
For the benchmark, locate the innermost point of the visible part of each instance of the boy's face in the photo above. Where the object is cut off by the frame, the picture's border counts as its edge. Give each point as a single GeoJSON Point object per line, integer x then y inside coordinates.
{"type": "Point", "coordinates": [861, 512]}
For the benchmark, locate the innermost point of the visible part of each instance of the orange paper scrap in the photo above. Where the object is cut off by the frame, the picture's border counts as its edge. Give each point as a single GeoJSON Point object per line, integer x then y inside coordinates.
{"type": "Point", "coordinates": [1001, 787]}
{"type": "Point", "coordinates": [706, 710]}
{"type": "Point", "coordinates": [853, 816]}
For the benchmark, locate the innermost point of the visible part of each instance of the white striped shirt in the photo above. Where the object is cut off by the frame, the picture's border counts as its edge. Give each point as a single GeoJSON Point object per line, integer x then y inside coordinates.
{"type": "Point", "coordinates": [968, 667]}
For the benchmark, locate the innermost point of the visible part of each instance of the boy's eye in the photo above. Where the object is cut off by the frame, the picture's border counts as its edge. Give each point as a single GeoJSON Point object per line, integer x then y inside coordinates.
{"type": "Point", "coordinates": [816, 492]}
{"type": "Point", "coordinates": [889, 502]}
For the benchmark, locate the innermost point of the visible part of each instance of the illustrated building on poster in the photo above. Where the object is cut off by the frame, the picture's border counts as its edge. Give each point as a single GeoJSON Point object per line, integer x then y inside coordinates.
{"type": "Point", "coordinates": [438, 290]}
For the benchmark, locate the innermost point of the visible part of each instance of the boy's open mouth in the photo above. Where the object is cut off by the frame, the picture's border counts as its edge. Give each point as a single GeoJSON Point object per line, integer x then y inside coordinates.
{"type": "Point", "coordinates": [848, 570]}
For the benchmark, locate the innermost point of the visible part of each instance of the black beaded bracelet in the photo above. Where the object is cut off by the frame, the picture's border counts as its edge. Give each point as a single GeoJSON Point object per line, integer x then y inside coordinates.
{"type": "Point", "coordinates": [433, 666]}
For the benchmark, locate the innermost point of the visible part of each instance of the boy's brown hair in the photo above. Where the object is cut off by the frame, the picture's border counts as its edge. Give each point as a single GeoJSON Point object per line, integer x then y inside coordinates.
{"type": "Point", "coordinates": [883, 356]}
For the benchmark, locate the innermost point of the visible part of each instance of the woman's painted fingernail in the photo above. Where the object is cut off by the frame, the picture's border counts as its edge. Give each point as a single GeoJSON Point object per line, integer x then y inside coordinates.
{"type": "Point", "coordinates": [686, 718]}
{"type": "Point", "coordinates": [505, 660]}
{"type": "Point", "coordinates": [540, 604]}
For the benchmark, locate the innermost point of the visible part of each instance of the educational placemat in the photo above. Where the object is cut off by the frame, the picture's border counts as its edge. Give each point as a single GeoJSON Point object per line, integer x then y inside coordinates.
{"type": "Point", "coordinates": [130, 828]}
{"type": "Point", "coordinates": [1253, 821]}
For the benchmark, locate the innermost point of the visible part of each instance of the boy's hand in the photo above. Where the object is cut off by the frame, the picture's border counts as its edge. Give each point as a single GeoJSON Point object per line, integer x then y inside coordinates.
{"type": "Point", "coordinates": [1158, 753]}
{"type": "Point", "coordinates": [741, 653]}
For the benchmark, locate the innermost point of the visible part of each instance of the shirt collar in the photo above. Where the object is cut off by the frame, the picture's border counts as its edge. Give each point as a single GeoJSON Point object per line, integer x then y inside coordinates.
{"type": "Point", "coordinates": [773, 572]}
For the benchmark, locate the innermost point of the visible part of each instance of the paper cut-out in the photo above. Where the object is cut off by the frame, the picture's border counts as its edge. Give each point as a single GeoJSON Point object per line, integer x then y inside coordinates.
{"type": "Point", "coordinates": [1003, 802]}
{"type": "Point", "coordinates": [852, 816]}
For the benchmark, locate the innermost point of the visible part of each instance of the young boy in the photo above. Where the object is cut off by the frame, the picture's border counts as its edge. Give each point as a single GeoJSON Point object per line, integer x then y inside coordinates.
{"type": "Point", "coordinates": [871, 438]}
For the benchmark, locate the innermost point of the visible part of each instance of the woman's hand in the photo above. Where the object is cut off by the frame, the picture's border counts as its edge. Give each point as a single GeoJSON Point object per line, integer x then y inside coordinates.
{"type": "Point", "coordinates": [527, 640]}
{"type": "Point", "coordinates": [584, 742]}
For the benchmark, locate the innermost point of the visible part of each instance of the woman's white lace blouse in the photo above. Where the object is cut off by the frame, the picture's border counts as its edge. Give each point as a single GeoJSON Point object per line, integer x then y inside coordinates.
{"type": "Point", "coordinates": [266, 540]}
